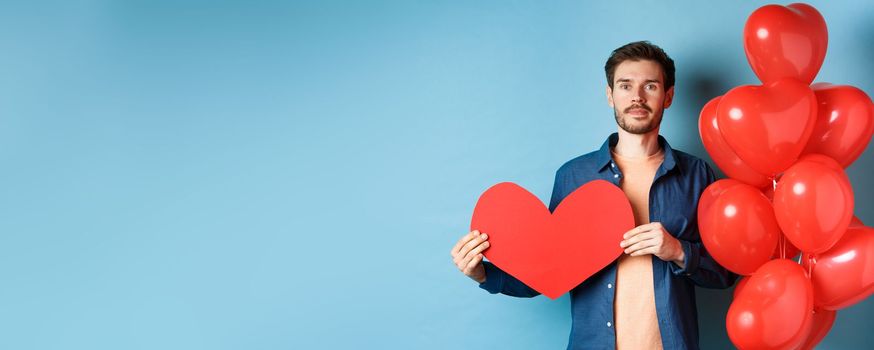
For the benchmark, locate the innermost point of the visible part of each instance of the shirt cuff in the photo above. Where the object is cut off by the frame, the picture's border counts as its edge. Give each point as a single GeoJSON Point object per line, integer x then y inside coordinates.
{"type": "Point", "coordinates": [691, 259]}
{"type": "Point", "coordinates": [494, 278]}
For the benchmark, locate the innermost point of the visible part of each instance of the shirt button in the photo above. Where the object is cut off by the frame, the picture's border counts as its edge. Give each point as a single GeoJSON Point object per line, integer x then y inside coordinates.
{"type": "Point", "coordinates": [613, 165]}
{"type": "Point", "coordinates": [616, 175]}
{"type": "Point", "coordinates": [609, 324]}
{"type": "Point", "coordinates": [609, 285]}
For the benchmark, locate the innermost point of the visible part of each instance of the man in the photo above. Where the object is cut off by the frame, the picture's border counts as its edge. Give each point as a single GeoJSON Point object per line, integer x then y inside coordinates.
{"type": "Point", "coordinates": [646, 298]}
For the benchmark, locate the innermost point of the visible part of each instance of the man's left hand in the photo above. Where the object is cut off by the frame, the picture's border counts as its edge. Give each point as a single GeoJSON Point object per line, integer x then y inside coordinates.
{"type": "Point", "coordinates": [653, 239]}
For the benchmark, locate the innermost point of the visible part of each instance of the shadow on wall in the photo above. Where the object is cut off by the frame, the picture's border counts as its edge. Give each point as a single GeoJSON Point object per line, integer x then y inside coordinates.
{"type": "Point", "coordinates": [706, 76]}
{"type": "Point", "coordinates": [860, 170]}
{"type": "Point", "coordinates": [704, 85]}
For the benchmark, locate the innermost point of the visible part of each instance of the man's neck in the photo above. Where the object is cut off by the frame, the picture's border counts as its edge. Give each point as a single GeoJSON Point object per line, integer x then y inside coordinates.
{"type": "Point", "coordinates": [637, 146]}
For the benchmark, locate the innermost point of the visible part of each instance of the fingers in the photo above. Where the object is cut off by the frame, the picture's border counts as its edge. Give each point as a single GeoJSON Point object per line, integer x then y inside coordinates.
{"type": "Point", "coordinates": [644, 244]}
{"type": "Point", "coordinates": [461, 242]}
{"type": "Point", "coordinates": [642, 236]}
{"type": "Point", "coordinates": [646, 239]}
{"type": "Point", "coordinates": [641, 229]}
{"type": "Point", "coordinates": [642, 241]}
{"type": "Point", "coordinates": [469, 248]}
{"type": "Point", "coordinates": [477, 259]}
{"type": "Point", "coordinates": [476, 250]}
{"type": "Point", "coordinates": [634, 232]}
{"type": "Point", "coordinates": [464, 261]}
{"type": "Point", "coordinates": [470, 245]}
{"type": "Point", "coordinates": [648, 250]}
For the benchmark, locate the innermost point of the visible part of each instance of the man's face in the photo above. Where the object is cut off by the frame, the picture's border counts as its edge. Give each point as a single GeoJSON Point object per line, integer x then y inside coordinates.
{"type": "Point", "coordinates": [638, 96]}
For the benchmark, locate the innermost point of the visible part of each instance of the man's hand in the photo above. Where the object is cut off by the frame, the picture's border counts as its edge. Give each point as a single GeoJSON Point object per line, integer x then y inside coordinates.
{"type": "Point", "coordinates": [467, 255]}
{"type": "Point", "coordinates": [653, 239]}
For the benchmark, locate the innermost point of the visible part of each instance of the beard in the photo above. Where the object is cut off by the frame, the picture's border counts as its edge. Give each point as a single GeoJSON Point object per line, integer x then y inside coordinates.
{"type": "Point", "coordinates": [629, 125]}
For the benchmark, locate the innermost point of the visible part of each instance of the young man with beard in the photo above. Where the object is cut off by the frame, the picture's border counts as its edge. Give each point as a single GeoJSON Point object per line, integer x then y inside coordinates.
{"type": "Point", "coordinates": [646, 298]}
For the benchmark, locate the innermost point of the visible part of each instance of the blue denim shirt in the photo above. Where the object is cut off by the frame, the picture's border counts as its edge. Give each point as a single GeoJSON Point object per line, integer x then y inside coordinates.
{"type": "Point", "coordinates": [673, 201]}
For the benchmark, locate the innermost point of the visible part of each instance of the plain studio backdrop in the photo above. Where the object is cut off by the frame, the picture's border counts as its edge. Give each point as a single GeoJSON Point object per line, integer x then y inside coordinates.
{"type": "Point", "coordinates": [292, 175]}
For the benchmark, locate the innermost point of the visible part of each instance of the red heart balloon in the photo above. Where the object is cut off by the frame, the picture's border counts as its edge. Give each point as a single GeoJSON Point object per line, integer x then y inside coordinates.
{"type": "Point", "coordinates": [739, 287]}
{"type": "Point", "coordinates": [709, 197]}
{"type": "Point", "coordinates": [822, 323]}
{"type": "Point", "coordinates": [814, 203]}
{"type": "Point", "coordinates": [773, 310]}
{"type": "Point", "coordinates": [855, 222]}
{"type": "Point", "coordinates": [768, 126]}
{"type": "Point", "coordinates": [553, 253]}
{"type": "Point", "coordinates": [737, 225]}
{"type": "Point", "coordinates": [842, 276]}
{"type": "Point", "coordinates": [786, 42]}
{"type": "Point", "coordinates": [828, 162]}
{"type": "Point", "coordinates": [721, 152]}
{"type": "Point", "coordinates": [844, 123]}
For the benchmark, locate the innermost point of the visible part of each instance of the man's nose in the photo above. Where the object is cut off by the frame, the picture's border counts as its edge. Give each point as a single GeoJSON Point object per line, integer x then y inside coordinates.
{"type": "Point", "coordinates": [638, 98]}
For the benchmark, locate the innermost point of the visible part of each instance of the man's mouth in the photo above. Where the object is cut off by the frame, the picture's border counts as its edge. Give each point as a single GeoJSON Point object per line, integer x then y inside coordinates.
{"type": "Point", "coordinates": [638, 110]}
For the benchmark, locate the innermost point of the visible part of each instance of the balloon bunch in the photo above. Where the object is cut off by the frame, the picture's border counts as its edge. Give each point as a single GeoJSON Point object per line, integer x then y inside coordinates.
{"type": "Point", "coordinates": [784, 145]}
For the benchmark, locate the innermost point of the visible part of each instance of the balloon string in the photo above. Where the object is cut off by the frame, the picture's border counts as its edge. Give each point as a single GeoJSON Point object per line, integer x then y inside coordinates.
{"type": "Point", "coordinates": [782, 246]}
{"type": "Point", "coordinates": [811, 261]}
{"type": "Point", "coordinates": [782, 242]}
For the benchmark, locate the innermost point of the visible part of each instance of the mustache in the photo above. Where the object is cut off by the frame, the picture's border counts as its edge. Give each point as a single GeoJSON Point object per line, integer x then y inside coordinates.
{"type": "Point", "coordinates": [643, 107]}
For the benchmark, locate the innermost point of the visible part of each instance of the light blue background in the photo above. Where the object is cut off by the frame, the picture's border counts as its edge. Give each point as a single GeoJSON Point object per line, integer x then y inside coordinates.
{"type": "Point", "coordinates": [292, 175]}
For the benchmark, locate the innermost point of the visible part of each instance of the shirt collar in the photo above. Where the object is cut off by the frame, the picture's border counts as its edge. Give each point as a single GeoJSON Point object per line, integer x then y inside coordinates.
{"type": "Point", "coordinates": [605, 157]}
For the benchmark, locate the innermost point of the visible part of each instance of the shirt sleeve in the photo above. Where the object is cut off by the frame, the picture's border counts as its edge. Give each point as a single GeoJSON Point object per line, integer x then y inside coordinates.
{"type": "Point", "coordinates": [498, 281]}
{"type": "Point", "coordinates": [700, 266]}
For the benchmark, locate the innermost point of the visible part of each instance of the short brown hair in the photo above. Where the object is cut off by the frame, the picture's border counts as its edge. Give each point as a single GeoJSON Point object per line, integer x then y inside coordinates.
{"type": "Point", "coordinates": [638, 51]}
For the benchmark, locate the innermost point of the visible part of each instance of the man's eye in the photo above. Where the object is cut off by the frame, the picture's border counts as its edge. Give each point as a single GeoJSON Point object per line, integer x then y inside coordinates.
{"type": "Point", "coordinates": [651, 87]}
{"type": "Point", "coordinates": [625, 86]}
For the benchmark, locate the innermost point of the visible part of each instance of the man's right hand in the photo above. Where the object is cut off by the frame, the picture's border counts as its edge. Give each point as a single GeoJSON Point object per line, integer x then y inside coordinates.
{"type": "Point", "coordinates": [468, 257]}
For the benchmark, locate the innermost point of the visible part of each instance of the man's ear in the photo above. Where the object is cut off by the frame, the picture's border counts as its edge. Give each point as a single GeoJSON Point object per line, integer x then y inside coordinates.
{"type": "Point", "coordinates": [669, 97]}
{"type": "Point", "coordinates": [610, 96]}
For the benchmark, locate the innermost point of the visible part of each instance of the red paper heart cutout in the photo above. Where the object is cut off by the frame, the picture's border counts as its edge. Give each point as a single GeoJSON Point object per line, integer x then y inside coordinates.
{"type": "Point", "coordinates": [769, 125]}
{"type": "Point", "coordinates": [553, 253]}
{"type": "Point", "coordinates": [785, 42]}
